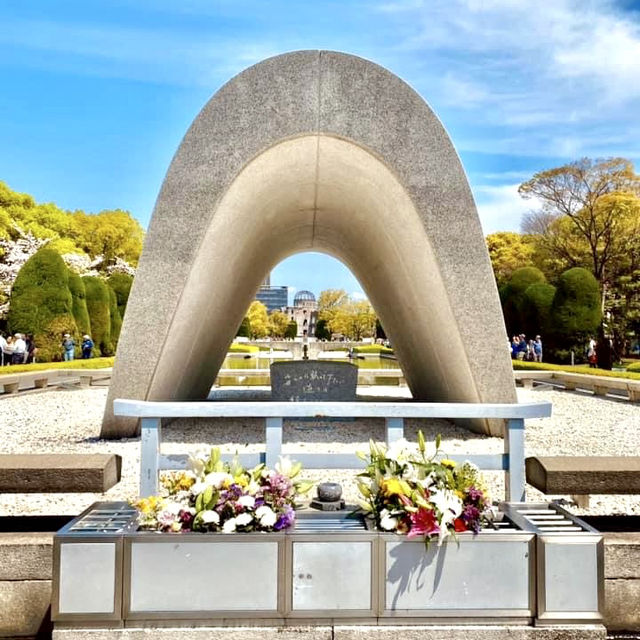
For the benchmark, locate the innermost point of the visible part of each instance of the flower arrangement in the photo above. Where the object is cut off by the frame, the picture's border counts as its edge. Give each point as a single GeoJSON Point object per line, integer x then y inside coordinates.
{"type": "Point", "coordinates": [220, 496]}
{"type": "Point", "coordinates": [406, 491]}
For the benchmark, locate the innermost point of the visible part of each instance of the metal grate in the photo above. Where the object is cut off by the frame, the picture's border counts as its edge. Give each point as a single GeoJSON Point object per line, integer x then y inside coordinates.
{"type": "Point", "coordinates": [338, 522]}
{"type": "Point", "coordinates": [105, 519]}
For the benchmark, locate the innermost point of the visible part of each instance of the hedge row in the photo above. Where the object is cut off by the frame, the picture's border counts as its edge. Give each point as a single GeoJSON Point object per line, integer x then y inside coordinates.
{"type": "Point", "coordinates": [519, 365]}
{"type": "Point", "coordinates": [91, 363]}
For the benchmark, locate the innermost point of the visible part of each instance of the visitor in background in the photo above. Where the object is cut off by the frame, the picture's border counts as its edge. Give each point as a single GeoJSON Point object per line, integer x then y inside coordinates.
{"type": "Point", "coordinates": [68, 346]}
{"type": "Point", "coordinates": [5, 351]}
{"type": "Point", "coordinates": [515, 347]}
{"type": "Point", "coordinates": [537, 350]}
{"type": "Point", "coordinates": [592, 356]}
{"type": "Point", "coordinates": [32, 350]}
{"type": "Point", "coordinates": [522, 346]}
{"type": "Point", "coordinates": [87, 347]}
{"type": "Point", "coordinates": [19, 349]}
{"type": "Point", "coordinates": [530, 351]}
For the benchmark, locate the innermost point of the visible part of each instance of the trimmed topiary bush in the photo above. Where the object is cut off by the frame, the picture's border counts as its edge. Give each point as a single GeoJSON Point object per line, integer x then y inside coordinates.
{"type": "Point", "coordinates": [512, 296]}
{"type": "Point", "coordinates": [79, 303]}
{"type": "Point", "coordinates": [98, 306]}
{"type": "Point", "coordinates": [41, 303]}
{"type": "Point", "coordinates": [536, 308]}
{"type": "Point", "coordinates": [114, 317]}
{"type": "Point", "coordinates": [121, 284]}
{"type": "Point", "coordinates": [575, 311]}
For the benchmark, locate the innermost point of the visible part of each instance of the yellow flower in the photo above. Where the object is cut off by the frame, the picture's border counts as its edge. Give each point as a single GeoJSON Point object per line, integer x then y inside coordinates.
{"type": "Point", "coordinates": [242, 480]}
{"type": "Point", "coordinates": [395, 487]}
{"type": "Point", "coordinates": [450, 464]}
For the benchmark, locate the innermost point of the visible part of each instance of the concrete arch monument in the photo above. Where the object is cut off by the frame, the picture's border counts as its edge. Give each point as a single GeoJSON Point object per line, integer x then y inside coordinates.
{"type": "Point", "coordinates": [322, 151]}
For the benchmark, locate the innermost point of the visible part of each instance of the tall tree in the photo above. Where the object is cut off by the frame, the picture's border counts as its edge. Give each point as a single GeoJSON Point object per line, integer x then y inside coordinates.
{"type": "Point", "coordinates": [278, 322]}
{"type": "Point", "coordinates": [258, 320]}
{"type": "Point", "coordinates": [509, 251]}
{"type": "Point", "coordinates": [591, 195]}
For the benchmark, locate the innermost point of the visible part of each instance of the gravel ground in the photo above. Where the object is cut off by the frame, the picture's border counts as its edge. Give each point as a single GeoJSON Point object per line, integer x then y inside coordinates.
{"type": "Point", "coordinates": [67, 420]}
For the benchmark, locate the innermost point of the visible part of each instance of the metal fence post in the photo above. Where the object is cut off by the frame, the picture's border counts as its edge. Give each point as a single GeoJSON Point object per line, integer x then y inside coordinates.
{"type": "Point", "coordinates": [395, 429]}
{"type": "Point", "coordinates": [273, 441]}
{"type": "Point", "coordinates": [514, 448]}
{"type": "Point", "coordinates": [150, 439]}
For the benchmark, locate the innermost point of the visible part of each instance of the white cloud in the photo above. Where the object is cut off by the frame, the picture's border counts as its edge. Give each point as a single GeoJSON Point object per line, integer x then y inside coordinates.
{"type": "Point", "coordinates": [500, 207]}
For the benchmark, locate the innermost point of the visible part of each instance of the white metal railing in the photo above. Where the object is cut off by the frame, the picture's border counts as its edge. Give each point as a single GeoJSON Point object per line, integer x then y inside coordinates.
{"type": "Point", "coordinates": [152, 461]}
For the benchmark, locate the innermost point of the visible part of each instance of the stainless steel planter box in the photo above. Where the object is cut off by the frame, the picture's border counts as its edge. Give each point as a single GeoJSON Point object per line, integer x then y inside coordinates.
{"type": "Point", "coordinates": [327, 567]}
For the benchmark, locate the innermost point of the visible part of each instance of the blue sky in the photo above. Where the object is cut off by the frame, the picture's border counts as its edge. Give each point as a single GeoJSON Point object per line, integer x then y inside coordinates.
{"type": "Point", "coordinates": [96, 96]}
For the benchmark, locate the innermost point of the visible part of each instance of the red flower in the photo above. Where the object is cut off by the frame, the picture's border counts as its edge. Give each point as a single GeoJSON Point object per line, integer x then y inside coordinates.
{"type": "Point", "coordinates": [423, 523]}
{"type": "Point", "coordinates": [459, 525]}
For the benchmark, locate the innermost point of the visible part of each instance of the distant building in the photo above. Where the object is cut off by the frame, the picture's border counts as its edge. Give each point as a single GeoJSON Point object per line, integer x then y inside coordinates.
{"type": "Point", "coordinates": [274, 298]}
{"type": "Point", "coordinates": [305, 313]}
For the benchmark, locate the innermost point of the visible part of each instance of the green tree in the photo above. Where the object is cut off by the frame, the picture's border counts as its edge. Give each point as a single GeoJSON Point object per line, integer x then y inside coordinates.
{"type": "Point", "coordinates": [258, 320]}
{"type": "Point", "coordinates": [98, 306]}
{"type": "Point", "coordinates": [322, 331]}
{"type": "Point", "coordinates": [278, 322]}
{"type": "Point", "coordinates": [112, 234]}
{"type": "Point", "coordinates": [329, 302]}
{"type": "Point", "coordinates": [512, 296]}
{"type": "Point", "coordinates": [292, 330]}
{"type": "Point", "coordinates": [78, 296]}
{"type": "Point", "coordinates": [575, 310]}
{"type": "Point", "coordinates": [536, 309]}
{"type": "Point", "coordinates": [244, 330]}
{"type": "Point", "coordinates": [121, 283]}
{"type": "Point", "coordinates": [509, 251]}
{"type": "Point", "coordinates": [41, 303]}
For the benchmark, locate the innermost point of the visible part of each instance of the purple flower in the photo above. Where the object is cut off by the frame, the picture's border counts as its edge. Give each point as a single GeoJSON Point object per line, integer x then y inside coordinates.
{"type": "Point", "coordinates": [285, 519]}
{"type": "Point", "coordinates": [475, 494]}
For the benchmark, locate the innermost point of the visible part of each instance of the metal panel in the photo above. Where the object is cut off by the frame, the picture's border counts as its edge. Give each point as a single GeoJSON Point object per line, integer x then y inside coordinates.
{"type": "Point", "coordinates": [514, 449]}
{"type": "Point", "coordinates": [481, 574]}
{"type": "Point", "coordinates": [332, 576]}
{"type": "Point", "coordinates": [203, 576]}
{"type": "Point", "coordinates": [87, 578]}
{"type": "Point", "coordinates": [570, 577]}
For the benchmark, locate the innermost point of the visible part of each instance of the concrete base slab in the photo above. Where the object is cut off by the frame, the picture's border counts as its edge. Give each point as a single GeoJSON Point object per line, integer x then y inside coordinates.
{"type": "Point", "coordinates": [26, 556]}
{"type": "Point", "coordinates": [622, 605]}
{"type": "Point", "coordinates": [24, 607]}
{"type": "Point", "coordinates": [418, 632]}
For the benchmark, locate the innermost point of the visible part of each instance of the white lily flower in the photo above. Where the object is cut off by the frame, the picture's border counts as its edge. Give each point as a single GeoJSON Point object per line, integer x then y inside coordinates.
{"type": "Point", "coordinates": [448, 503]}
{"type": "Point", "coordinates": [284, 465]}
{"type": "Point", "coordinates": [198, 488]}
{"type": "Point", "coordinates": [210, 517]}
{"type": "Point", "coordinates": [398, 451]}
{"type": "Point", "coordinates": [248, 502]}
{"type": "Point", "coordinates": [217, 478]}
{"type": "Point", "coordinates": [243, 519]}
{"type": "Point", "coordinates": [229, 526]}
{"type": "Point", "coordinates": [196, 465]}
{"type": "Point", "coordinates": [252, 488]}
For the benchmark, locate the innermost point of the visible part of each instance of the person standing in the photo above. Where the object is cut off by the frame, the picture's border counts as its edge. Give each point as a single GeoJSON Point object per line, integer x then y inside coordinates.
{"type": "Point", "coordinates": [68, 346]}
{"type": "Point", "coordinates": [537, 349]}
{"type": "Point", "coordinates": [87, 347]}
{"type": "Point", "coordinates": [19, 349]}
{"type": "Point", "coordinates": [592, 356]}
{"type": "Point", "coordinates": [5, 355]}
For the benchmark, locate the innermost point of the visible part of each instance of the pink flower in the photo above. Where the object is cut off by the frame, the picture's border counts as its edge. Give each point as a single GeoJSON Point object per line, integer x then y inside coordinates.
{"type": "Point", "coordinates": [423, 523]}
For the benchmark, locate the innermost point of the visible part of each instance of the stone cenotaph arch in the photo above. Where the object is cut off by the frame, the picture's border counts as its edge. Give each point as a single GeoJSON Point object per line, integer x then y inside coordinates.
{"type": "Point", "coordinates": [314, 151]}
